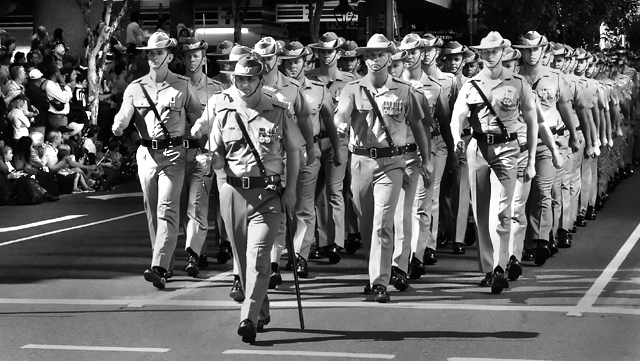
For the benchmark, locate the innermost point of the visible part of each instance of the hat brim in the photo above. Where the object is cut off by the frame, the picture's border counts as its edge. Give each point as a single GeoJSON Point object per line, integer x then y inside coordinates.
{"type": "Point", "coordinates": [320, 47]}
{"type": "Point", "coordinates": [290, 57]}
{"type": "Point", "coordinates": [233, 72]}
{"type": "Point", "coordinates": [171, 44]}
{"type": "Point", "coordinates": [503, 44]}
{"type": "Point", "coordinates": [364, 49]}
{"type": "Point", "coordinates": [466, 53]}
{"type": "Point", "coordinates": [532, 46]}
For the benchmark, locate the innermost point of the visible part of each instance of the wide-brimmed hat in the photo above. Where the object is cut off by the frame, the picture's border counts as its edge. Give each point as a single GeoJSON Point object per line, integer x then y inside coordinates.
{"type": "Point", "coordinates": [559, 49]}
{"type": "Point", "coordinates": [294, 50]}
{"type": "Point", "coordinates": [431, 41]}
{"type": "Point", "coordinates": [400, 55]}
{"type": "Point", "coordinates": [328, 41]}
{"type": "Point", "coordinates": [511, 54]}
{"type": "Point", "coordinates": [570, 52]}
{"type": "Point", "coordinates": [159, 40]}
{"type": "Point", "coordinates": [71, 129]}
{"type": "Point", "coordinates": [455, 48]}
{"type": "Point", "coordinates": [247, 66]}
{"type": "Point", "coordinates": [348, 49]}
{"type": "Point", "coordinates": [194, 44]}
{"type": "Point", "coordinates": [267, 47]}
{"type": "Point", "coordinates": [237, 52]}
{"type": "Point", "coordinates": [377, 42]}
{"type": "Point", "coordinates": [222, 49]}
{"type": "Point", "coordinates": [581, 54]}
{"type": "Point", "coordinates": [473, 58]}
{"type": "Point", "coordinates": [549, 48]}
{"type": "Point", "coordinates": [492, 40]}
{"type": "Point", "coordinates": [531, 39]}
{"type": "Point", "coordinates": [410, 42]}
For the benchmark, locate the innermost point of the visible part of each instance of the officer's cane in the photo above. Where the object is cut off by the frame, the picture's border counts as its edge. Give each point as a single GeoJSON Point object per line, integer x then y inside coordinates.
{"type": "Point", "coordinates": [290, 249]}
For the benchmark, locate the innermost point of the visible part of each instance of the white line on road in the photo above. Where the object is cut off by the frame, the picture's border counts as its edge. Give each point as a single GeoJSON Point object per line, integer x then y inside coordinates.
{"type": "Point", "coordinates": [311, 353]}
{"type": "Point", "coordinates": [114, 196]}
{"type": "Point", "coordinates": [485, 359]}
{"type": "Point", "coordinates": [596, 289]}
{"type": "Point", "coordinates": [96, 348]}
{"type": "Point", "coordinates": [40, 223]}
{"type": "Point", "coordinates": [71, 228]}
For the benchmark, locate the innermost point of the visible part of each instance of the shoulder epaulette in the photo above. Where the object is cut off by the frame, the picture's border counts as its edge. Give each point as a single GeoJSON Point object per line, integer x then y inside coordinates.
{"type": "Point", "coordinates": [400, 81]}
{"type": "Point", "coordinates": [316, 82]}
{"type": "Point", "coordinates": [182, 77]}
{"type": "Point", "coordinates": [136, 81]}
{"type": "Point", "coordinates": [294, 82]}
{"type": "Point", "coordinates": [434, 80]}
{"type": "Point", "coordinates": [217, 82]}
{"type": "Point", "coordinates": [278, 103]}
{"type": "Point", "coordinates": [353, 82]}
{"type": "Point", "coordinates": [348, 75]}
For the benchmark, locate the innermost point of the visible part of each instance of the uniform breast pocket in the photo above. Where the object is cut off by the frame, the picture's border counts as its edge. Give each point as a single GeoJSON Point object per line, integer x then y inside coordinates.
{"type": "Point", "coordinates": [270, 140]}
{"type": "Point", "coordinates": [231, 135]}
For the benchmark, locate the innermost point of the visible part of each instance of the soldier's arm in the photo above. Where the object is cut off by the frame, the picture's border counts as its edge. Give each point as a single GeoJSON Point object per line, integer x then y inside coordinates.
{"type": "Point", "coordinates": [528, 109]}
{"type": "Point", "coordinates": [415, 116]}
{"type": "Point", "coordinates": [544, 133]}
{"type": "Point", "coordinates": [459, 114]}
{"type": "Point", "coordinates": [443, 115]}
{"type": "Point", "coordinates": [566, 113]}
{"type": "Point", "coordinates": [293, 144]}
{"type": "Point", "coordinates": [216, 145]}
{"type": "Point", "coordinates": [304, 120]}
{"type": "Point", "coordinates": [123, 117]}
{"type": "Point", "coordinates": [427, 121]}
{"type": "Point", "coordinates": [326, 114]}
{"type": "Point", "coordinates": [342, 118]}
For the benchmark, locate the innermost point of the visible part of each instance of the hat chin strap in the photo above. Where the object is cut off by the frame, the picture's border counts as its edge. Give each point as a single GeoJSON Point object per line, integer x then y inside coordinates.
{"type": "Point", "coordinates": [497, 62]}
{"type": "Point", "coordinates": [386, 63]}
{"type": "Point", "coordinates": [332, 59]}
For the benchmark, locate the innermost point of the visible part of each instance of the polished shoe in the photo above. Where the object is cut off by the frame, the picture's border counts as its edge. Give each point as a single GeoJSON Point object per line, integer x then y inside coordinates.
{"type": "Point", "coordinates": [429, 257]}
{"type": "Point", "coordinates": [153, 275]}
{"type": "Point", "coordinates": [487, 280]}
{"type": "Point", "coordinates": [470, 234]}
{"type": "Point", "coordinates": [564, 239]}
{"type": "Point", "coordinates": [192, 267]}
{"type": "Point", "coordinates": [352, 243]}
{"type": "Point", "coordinates": [443, 240]}
{"type": "Point", "coordinates": [580, 221]}
{"type": "Point", "coordinates": [553, 247]}
{"type": "Point", "coordinates": [367, 290]}
{"type": "Point", "coordinates": [499, 281]}
{"type": "Point", "coordinates": [237, 293]}
{"type": "Point", "coordinates": [542, 253]}
{"type": "Point", "coordinates": [275, 279]}
{"type": "Point", "coordinates": [416, 269]}
{"type": "Point", "coordinates": [224, 253]}
{"type": "Point", "coordinates": [611, 186]}
{"type": "Point", "coordinates": [203, 261]}
{"type": "Point", "coordinates": [380, 294]}
{"type": "Point", "coordinates": [514, 270]}
{"type": "Point", "coordinates": [301, 267]}
{"type": "Point", "coordinates": [624, 174]}
{"type": "Point", "coordinates": [288, 266]}
{"type": "Point", "coordinates": [591, 214]}
{"type": "Point", "coordinates": [599, 204]}
{"type": "Point", "coordinates": [248, 331]}
{"type": "Point", "coordinates": [168, 274]}
{"type": "Point", "coordinates": [605, 197]}
{"type": "Point", "coordinates": [262, 323]}
{"type": "Point", "coordinates": [528, 255]}
{"type": "Point", "coordinates": [332, 252]}
{"type": "Point", "coordinates": [574, 228]}
{"type": "Point", "coordinates": [398, 279]}
{"type": "Point", "coordinates": [458, 248]}
{"type": "Point", "coordinates": [636, 162]}
{"type": "Point", "coordinates": [317, 253]}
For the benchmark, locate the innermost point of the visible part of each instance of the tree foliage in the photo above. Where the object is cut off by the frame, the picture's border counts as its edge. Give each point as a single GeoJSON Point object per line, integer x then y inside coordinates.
{"type": "Point", "coordinates": [239, 14]}
{"type": "Point", "coordinates": [575, 22]}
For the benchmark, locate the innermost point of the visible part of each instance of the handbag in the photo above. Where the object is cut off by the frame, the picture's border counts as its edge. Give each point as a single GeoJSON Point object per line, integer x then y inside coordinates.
{"type": "Point", "coordinates": [55, 103]}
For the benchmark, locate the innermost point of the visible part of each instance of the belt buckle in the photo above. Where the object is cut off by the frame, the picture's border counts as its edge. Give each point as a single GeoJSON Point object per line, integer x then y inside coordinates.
{"type": "Point", "coordinates": [490, 139]}
{"type": "Point", "coordinates": [373, 153]}
{"type": "Point", "coordinates": [185, 143]}
{"type": "Point", "coordinates": [246, 182]}
{"type": "Point", "coordinates": [154, 144]}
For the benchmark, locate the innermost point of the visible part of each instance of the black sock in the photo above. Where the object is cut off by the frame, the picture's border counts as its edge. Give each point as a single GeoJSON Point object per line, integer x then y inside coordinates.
{"type": "Point", "coordinates": [236, 277]}
{"type": "Point", "coordinates": [160, 270]}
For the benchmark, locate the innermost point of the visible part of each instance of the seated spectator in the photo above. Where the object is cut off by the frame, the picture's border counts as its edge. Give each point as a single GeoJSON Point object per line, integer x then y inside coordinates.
{"type": "Point", "coordinates": [20, 117]}
{"type": "Point", "coordinates": [54, 164]}
{"type": "Point", "coordinates": [79, 182]}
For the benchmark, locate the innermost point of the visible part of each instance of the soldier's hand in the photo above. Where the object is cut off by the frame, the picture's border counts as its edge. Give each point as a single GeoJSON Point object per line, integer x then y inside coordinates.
{"type": "Point", "coordinates": [461, 147]}
{"type": "Point", "coordinates": [343, 130]}
{"type": "Point", "coordinates": [596, 152]}
{"type": "Point", "coordinates": [426, 170]}
{"type": "Point", "coordinates": [529, 172]}
{"type": "Point", "coordinates": [340, 157]}
{"type": "Point", "coordinates": [610, 144]}
{"type": "Point", "coordinates": [574, 143]}
{"type": "Point", "coordinates": [288, 201]}
{"type": "Point", "coordinates": [195, 131]}
{"type": "Point", "coordinates": [589, 152]}
{"type": "Point", "coordinates": [619, 132]}
{"type": "Point", "coordinates": [557, 159]}
{"type": "Point", "coordinates": [116, 130]}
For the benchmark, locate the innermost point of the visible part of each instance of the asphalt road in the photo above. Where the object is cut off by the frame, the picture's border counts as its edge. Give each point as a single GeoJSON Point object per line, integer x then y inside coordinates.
{"type": "Point", "coordinates": [71, 288]}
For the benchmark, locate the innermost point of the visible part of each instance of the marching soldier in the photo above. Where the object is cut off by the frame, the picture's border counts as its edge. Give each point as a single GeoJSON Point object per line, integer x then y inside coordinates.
{"type": "Point", "coordinates": [222, 53]}
{"type": "Point", "coordinates": [349, 59]}
{"type": "Point", "coordinates": [163, 103]}
{"type": "Point", "coordinates": [377, 108]}
{"type": "Point", "coordinates": [471, 66]}
{"type": "Point", "coordinates": [495, 99]}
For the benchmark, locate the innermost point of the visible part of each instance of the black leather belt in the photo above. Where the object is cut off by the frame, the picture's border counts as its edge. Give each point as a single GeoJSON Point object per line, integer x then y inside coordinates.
{"type": "Point", "coordinates": [254, 182]}
{"type": "Point", "coordinates": [435, 133]}
{"type": "Point", "coordinates": [320, 136]}
{"type": "Point", "coordinates": [378, 152]}
{"type": "Point", "coordinates": [162, 143]}
{"type": "Point", "coordinates": [410, 148]}
{"type": "Point", "coordinates": [562, 131]}
{"type": "Point", "coordinates": [466, 132]}
{"type": "Point", "coordinates": [494, 138]}
{"type": "Point", "coordinates": [523, 147]}
{"type": "Point", "coordinates": [578, 128]}
{"type": "Point", "coordinates": [191, 144]}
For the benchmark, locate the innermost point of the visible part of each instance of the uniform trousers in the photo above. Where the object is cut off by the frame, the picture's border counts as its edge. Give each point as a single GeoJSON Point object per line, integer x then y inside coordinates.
{"type": "Point", "coordinates": [423, 204]}
{"type": "Point", "coordinates": [439, 164]}
{"type": "Point", "coordinates": [539, 204]}
{"type": "Point", "coordinates": [560, 189]}
{"type": "Point", "coordinates": [252, 218]}
{"type": "Point", "coordinates": [329, 198]}
{"type": "Point", "coordinates": [491, 200]}
{"type": "Point", "coordinates": [350, 218]}
{"type": "Point", "coordinates": [403, 221]}
{"type": "Point", "coordinates": [375, 187]}
{"type": "Point", "coordinates": [162, 173]}
{"type": "Point", "coordinates": [519, 208]}
{"type": "Point", "coordinates": [463, 201]}
{"type": "Point", "coordinates": [589, 181]}
{"type": "Point", "coordinates": [603, 177]}
{"type": "Point", "coordinates": [195, 202]}
{"type": "Point", "coordinates": [305, 212]}
{"type": "Point", "coordinates": [575, 185]}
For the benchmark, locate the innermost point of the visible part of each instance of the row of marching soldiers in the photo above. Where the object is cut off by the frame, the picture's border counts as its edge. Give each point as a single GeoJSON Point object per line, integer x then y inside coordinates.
{"type": "Point", "coordinates": [524, 138]}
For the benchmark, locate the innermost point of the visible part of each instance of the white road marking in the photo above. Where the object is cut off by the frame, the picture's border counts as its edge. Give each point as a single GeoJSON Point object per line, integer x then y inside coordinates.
{"type": "Point", "coordinates": [311, 353]}
{"type": "Point", "coordinates": [485, 359]}
{"type": "Point", "coordinates": [96, 348]}
{"type": "Point", "coordinates": [70, 228]}
{"type": "Point", "coordinates": [106, 197]}
{"type": "Point", "coordinates": [596, 289]}
{"type": "Point", "coordinates": [41, 223]}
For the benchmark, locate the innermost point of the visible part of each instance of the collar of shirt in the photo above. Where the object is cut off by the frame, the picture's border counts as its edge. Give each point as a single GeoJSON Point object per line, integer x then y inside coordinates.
{"type": "Point", "coordinates": [388, 85]}
{"type": "Point", "coordinates": [232, 93]}
{"type": "Point", "coordinates": [168, 80]}
{"type": "Point", "coordinates": [483, 77]}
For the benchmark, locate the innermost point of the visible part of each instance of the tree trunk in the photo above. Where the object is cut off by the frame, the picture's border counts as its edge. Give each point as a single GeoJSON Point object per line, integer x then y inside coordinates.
{"type": "Point", "coordinates": [315, 14]}
{"type": "Point", "coordinates": [238, 19]}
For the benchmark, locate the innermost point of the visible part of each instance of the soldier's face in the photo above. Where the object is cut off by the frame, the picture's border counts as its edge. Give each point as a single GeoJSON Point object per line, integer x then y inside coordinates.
{"type": "Point", "coordinates": [491, 57]}
{"type": "Point", "coordinates": [377, 60]}
{"type": "Point", "coordinates": [532, 56]}
{"type": "Point", "coordinates": [558, 62]}
{"type": "Point", "coordinates": [396, 68]}
{"type": "Point", "coordinates": [328, 57]}
{"type": "Point", "coordinates": [582, 65]}
{"type": "Point", "coordinates": [470, 69]}
{"type": "Point", "coordinates": [546, 59]}
{"type": "Point", "coordinates": [349, 64]}
{"type": "Point", "coordinates": [591, 70]}
{"type": "Point", "coordinates": [430, 54]}
{"type": "Point", "coordinates": [511, 65]}
{"type": "Point", "coordinates": [294, 67]}
{"type": "Point", "coordinates": [414, 57]}
{"type": "Point", "coordinates": [246, 85]}
{"type": "Point", "coordinates": [159, 58]}
{"type": "Point", "coordinates": [271, 63]}
{"type": "Point", "coordinates": [193, 60]}
{"type": "Point", "coordinates": [453, 62]}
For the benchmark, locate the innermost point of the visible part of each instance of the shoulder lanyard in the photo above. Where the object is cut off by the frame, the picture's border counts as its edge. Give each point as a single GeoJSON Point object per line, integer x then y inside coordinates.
{"type": "Point", "coordinates": [155, 111]}
{"type": "Point", "coordinates": [376, 112]}
{"type": "Point", "coordinates": [252, 148]}
{"type": "Point", "coordinates": [488, 104]}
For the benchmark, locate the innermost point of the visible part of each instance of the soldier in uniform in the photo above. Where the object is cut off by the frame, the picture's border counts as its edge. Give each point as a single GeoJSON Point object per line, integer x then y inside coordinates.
{"type": "Point", "coordinates": [163, 103]}
{"type": "Point", "coordinates": [321, 109]}
{"type": "Point", "coordinates": [349, 59]}
{"type": "Point", "coordinates": [471, 66]}
{"type": "Point", "coordinates": [222, 53]}
{"type": "Point", "coordinates": [330, 202]}
{"type": "Point", "coordinates": [494, 149]}
{"type": "Point", "coordinates": [455, 56]}
{"type": "Point", "coordinates": [198, 182]}
{"type": "Point", "coordinates": [378, 108]}
{"type": "Point", "coordinates": [250, 136]}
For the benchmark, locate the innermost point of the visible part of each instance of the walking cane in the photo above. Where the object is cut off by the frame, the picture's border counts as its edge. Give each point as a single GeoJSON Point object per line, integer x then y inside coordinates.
{"type": "Point", "coordinates": [289, 240]}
